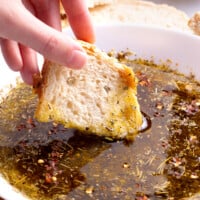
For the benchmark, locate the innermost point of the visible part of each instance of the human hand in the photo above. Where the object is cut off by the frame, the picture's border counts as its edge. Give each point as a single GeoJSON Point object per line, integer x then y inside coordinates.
{"type": "Point", "coordinates": [30, 26]}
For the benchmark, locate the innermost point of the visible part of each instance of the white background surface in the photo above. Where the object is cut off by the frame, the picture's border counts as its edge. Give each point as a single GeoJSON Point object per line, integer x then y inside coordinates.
{"type": "Point", "coordinates": [188, 6]}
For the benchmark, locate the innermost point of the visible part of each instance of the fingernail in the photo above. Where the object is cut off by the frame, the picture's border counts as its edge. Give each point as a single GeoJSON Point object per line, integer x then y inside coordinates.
{"type": "Point", "coordinates": [78, 59]}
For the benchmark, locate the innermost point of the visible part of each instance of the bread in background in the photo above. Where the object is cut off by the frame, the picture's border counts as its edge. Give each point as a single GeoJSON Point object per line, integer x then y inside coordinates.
{"type": "Point", "coordinates": [138, 12]}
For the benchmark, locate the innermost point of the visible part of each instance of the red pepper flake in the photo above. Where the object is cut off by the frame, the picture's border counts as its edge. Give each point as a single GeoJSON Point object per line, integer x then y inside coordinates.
{"type": "Point", "coordinates": [176, 161]}
{"type": "Point", "coordinates": [21, 127]}
{"type": "Point", "coordinates": [190, 108]}
{"type": "Point", "coordinates": [48, 178]}
{"type": "Point", "coordinates": [143, 80]}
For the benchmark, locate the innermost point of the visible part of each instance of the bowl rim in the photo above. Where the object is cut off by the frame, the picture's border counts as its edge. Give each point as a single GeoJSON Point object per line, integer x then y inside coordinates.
{"type": "Point", "coordinates": [179, 50]}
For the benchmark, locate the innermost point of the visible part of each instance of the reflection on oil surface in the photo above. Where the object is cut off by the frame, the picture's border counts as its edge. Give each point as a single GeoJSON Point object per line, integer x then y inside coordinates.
{"type": "Point", "coordinates": [46, 161]}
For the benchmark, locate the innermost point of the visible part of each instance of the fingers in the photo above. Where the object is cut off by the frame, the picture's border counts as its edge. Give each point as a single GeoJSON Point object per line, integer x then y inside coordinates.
{"type": "Point", "coordinates": [20, 58]}
{"type": "Point", "coordinates": [11, 53]}
{"type": "Point", "coordinates": [54, 45]}
{"type": "Point", "coordinates": [26, 29]}
{"type": "Point", "coordinates": [30, 66]}
{"type": "Point", "coordinates": [79, 19]}
{"type": "Point", "coordinates": [48, 11]}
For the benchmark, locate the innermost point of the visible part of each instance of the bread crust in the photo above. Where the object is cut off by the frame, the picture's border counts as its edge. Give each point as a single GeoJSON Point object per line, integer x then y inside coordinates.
{"type": "Point", "coordinates": [94, 3]}
{"type": "Point", "coordinates": [108, 106]}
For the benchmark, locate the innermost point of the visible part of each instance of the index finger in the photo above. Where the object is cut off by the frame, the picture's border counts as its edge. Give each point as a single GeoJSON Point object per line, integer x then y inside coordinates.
{"type": "Point", "coordinates": [79, 19]}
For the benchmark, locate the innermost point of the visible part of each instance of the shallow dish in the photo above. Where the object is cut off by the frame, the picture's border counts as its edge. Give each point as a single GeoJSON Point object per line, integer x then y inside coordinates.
{"type": "Point", "coordinates": [179, 50]}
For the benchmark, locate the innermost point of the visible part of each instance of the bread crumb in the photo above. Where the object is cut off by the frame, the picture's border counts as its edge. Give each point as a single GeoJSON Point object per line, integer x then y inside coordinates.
{"type": "Point", "coordinates": [194, 23]}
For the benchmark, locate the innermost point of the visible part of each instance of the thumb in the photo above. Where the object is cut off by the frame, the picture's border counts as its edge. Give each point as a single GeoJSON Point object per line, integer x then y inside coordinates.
{"type": "Point", "coordinates": [52, 44]}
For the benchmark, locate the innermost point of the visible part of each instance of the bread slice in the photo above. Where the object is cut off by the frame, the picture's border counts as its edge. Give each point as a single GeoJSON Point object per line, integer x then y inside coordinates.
{"type": "Point", "coordinates": [99, 99]}
{"type": "Point", "coordinates": [138, 12]}
{"type": "Point", "coordinates": [141, 12]}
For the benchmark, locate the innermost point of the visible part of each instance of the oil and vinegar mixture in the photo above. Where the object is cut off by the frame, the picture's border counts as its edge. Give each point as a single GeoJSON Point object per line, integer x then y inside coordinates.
{"type": "Point", "coordinates": [46, 161]}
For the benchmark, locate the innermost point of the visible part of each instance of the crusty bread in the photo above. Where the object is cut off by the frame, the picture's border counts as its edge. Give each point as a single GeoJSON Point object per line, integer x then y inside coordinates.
{"type": "Point", "coordinates": [100, 98]}
{"type": "Point", "coordinates": [194, 23]}
{"type": "Point", "coordinates": [139, 12]}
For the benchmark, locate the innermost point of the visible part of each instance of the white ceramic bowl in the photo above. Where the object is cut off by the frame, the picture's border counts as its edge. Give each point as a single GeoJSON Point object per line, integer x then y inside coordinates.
{"type": "Point", "coordinates": [183, 49]}
{"type": "Point", "coordinates": [147, 42]}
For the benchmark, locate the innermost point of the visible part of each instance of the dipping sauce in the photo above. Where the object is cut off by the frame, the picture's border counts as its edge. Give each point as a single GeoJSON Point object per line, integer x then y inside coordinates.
{"type": "Point", "coordinates": [46, 161]}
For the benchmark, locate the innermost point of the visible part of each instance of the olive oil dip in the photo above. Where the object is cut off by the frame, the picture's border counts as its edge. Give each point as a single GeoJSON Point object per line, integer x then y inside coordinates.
{"type": "Point", "coordinates": [46, 161]}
